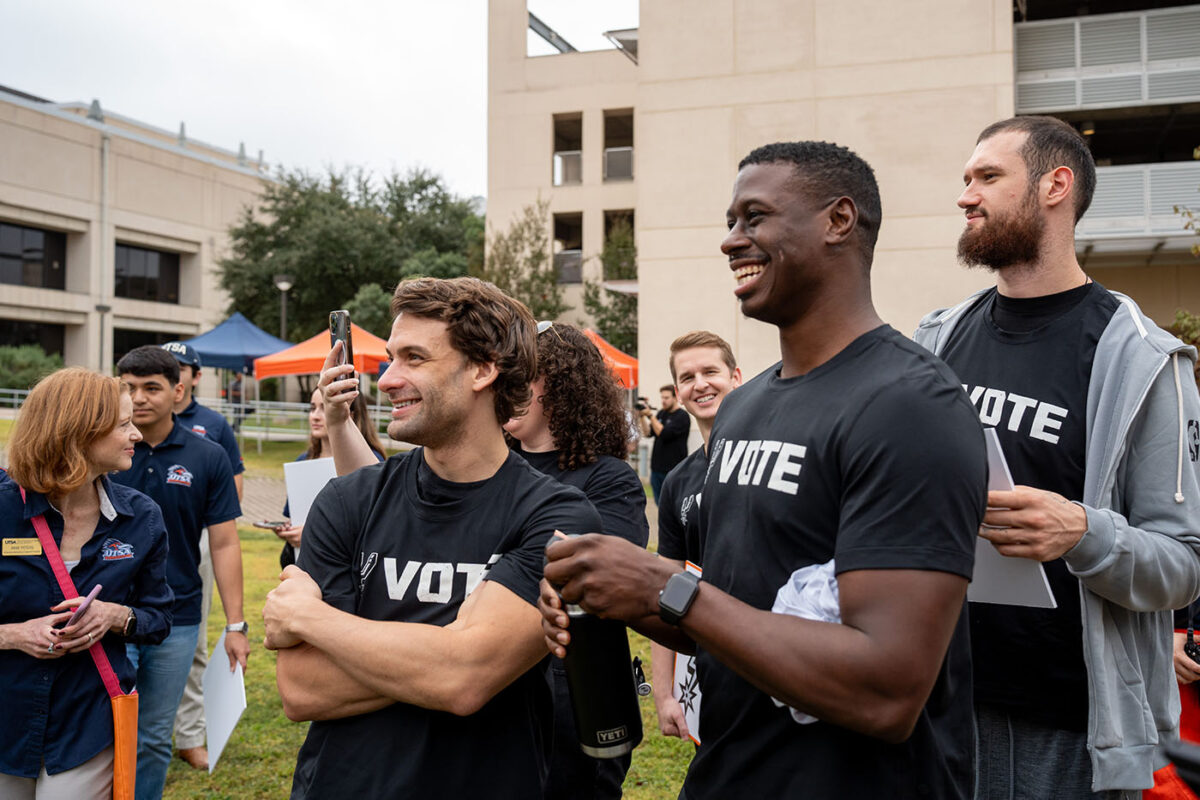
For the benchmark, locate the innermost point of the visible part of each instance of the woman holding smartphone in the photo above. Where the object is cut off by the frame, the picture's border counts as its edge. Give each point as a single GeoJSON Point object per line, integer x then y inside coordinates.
{"type": "Point", "coordinates": [318, 447]}
{"type": "Point", "coordinates": [74, 428]}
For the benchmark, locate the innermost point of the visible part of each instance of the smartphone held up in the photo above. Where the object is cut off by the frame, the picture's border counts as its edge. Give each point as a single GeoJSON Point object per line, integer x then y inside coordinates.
{"type": "Point", "coordinates": [339, 331]}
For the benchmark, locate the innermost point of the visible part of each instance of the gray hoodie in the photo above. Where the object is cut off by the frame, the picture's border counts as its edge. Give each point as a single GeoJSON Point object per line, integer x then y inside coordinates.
{"type": "Point", "coordinates": [1140, 557]}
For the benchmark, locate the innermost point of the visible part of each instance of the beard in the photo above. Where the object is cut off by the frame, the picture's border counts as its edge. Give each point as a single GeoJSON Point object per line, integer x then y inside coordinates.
{"type": "Point", "coordinates": [1003, 240]}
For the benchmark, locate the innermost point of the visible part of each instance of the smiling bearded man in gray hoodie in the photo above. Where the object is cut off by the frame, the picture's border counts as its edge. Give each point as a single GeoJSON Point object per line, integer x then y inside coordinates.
{"type": "Point", "coordinates": [1098, 416]}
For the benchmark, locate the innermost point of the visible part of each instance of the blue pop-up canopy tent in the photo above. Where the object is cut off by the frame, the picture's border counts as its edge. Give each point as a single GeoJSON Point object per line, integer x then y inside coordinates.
{"type": "Point", "coordinates": [235, 343]}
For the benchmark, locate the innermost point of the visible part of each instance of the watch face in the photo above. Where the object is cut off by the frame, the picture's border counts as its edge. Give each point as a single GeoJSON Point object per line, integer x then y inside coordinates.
{"type": "Point", "coordinates": [677, 594]}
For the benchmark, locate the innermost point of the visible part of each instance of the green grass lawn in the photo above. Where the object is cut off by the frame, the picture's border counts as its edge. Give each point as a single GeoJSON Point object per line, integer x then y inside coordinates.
{"type": "Point", "coordinates": [260, 756]}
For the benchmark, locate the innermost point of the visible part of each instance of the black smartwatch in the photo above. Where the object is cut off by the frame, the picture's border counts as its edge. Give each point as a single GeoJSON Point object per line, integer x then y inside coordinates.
{"type": "Point", "coordinates": [676, 597]}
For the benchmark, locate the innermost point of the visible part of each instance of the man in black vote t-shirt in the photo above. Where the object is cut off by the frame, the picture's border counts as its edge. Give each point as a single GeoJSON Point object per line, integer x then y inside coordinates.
{"type": "Point", "coordinates": [411, 638]}
{"type": "Point", "coordinates": [1089, 400]}
{"type": "Point", "coordinates": [858, 447]}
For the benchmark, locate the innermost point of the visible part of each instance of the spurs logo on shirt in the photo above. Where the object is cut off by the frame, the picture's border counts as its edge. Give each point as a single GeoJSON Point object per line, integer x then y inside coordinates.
{"type": "Point", "coordinates": [431, 581]}
{"type": "Point", "coordinates": [1018, 413]}
{"type": "Point", "coordinates": [685, 507]}
{"type": "Point", "coordinates": [760, 462]}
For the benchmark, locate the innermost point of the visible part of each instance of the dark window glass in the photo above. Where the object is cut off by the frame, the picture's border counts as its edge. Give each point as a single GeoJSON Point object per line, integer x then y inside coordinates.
{"type": "Point", "coordinates": [143, 274]}
{"type": "Point", "coordinates": [125, 339]}
{"type": "Point", "coordinates": [15, 333]}
{"type": "Point", "coordinates": [32, 257]}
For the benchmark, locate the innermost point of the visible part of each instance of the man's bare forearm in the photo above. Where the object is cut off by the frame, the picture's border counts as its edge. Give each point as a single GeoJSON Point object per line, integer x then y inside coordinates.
{"type": "Point", "coordinates": [455, 668]}
{"type": "Point", "coordinates": [872, 674]}
{"type": "Point", "coordinates": [312, 687]}
{"type": "Point", "coordinates": [350, 449]}
{"type": "Point", "coordinates": [226, 552]}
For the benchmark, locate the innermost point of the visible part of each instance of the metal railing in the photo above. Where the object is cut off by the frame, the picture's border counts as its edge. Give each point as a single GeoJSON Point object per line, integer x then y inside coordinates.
{"type": "Point", "coordinates": [1108, 60]}
{"type": "Point", "coordinates": [618, 164]}
{"type": "Point", "coordinates": [12, 399]}
{"type": "Point", "coordinates": [1140, 199]}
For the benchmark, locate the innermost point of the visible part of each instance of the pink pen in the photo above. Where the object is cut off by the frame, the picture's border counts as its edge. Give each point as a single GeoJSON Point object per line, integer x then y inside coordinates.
{"type": "Point", "coordinates": [87, 601]}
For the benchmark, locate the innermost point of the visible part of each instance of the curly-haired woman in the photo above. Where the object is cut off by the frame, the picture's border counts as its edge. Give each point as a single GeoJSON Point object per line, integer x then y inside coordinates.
{"type": "Point", "coordinates": [575, 431]}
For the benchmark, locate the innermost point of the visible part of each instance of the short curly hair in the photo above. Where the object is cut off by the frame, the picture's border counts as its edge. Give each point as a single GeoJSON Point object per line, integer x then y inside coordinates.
{"type": "Point", "coordinates": [581, 398]}
{"type": "Point", "coordinates": [485, 325]}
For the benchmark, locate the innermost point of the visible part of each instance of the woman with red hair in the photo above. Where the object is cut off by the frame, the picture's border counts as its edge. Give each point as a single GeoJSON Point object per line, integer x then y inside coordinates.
{"type": "Point", "coordinates": [57, 738]}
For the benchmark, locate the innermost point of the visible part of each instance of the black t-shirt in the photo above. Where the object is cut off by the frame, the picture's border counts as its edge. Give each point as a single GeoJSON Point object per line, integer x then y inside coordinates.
{"type": "Point", "coordinates": [679, 535]}
{"type": "Point", "coordinates": [379, 550]}
{"type": "Point", "coordinates": [610, 485]}
{"type": "Point", "coordinates": [1025, 364]}
{"type": "Point", "coordinates": [875, 459]}
{"type": "Point", "coordinates": [670, 446]}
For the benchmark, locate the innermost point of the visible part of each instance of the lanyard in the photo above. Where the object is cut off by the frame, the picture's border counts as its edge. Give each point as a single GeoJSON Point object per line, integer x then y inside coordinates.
{"type": "Point", "coordinates": [69, 592]}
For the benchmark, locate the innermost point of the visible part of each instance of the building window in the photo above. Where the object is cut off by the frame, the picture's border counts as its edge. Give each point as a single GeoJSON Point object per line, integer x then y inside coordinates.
{"type": "Point", "coordinates": [568, 247]}
{"type": "Point", "coordinates": [49, 337]}
{"type": "Point", "coordinates": [618, 145]}
{"type": "Point", "coordinates": [126, 339]}
{"type": "Point", "coordinates": [32, 257]}
{"type": "Point", "coordinates": [568, 149]}
{"type": "Point", "coordinates": [144, 274]}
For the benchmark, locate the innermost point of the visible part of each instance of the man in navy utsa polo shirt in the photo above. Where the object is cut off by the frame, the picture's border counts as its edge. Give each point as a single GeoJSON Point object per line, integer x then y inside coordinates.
{"type": "Point", "coordinates": [190, 479]}
{"type": "Point", "coordinates": [189, 720]}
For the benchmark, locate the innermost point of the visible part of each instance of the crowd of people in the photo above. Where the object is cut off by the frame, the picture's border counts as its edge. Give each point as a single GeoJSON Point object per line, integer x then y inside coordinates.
{"type": "Point", "coordinates": [807, 602]}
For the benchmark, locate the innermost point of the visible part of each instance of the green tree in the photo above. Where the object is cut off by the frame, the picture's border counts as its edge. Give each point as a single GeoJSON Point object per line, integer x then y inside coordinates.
{"type": "Point", "coordinates": [1191, 218]}
{"type": "Point", "coordinates": [22, 367]}
{"type": "Point", "coordinates": [615, 313]}
{"type": "Point", "coordinates": [518, 262]}
{"type": "Point", "coordinates": [1187, 327]}
{"type": "Point", "coordinates": [370, 308]}
{"type": "Point", "coordinates": [337, 233]}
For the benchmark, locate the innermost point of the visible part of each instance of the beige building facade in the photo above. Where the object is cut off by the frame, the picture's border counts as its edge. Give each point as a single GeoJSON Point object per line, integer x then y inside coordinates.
{"type": "Point", "coordinates": [110, 229]}
{"type": "Point", "coordinates": [908, 86]}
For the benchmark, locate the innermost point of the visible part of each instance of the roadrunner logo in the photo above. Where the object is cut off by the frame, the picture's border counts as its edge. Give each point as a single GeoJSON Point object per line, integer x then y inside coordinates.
{"type": "Point", "coordinates": [115, 550]}
{"type": "Point", "coordinates": [178, 474]}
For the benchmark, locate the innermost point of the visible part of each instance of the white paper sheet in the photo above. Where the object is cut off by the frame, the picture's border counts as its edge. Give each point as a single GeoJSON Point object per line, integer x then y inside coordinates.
{"type": "Point", "coordinates": [1000, 579]}
{"type": "Point", "coordinates": [224, 701]}
{"type": "Point", "coordinates": [685, 688]}
{"type": "Point", "coordinates": [304, 480]}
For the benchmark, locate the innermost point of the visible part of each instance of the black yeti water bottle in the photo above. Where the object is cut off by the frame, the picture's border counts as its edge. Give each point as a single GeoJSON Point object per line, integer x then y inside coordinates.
{"type": "Point", "coordinates": [600, 678]}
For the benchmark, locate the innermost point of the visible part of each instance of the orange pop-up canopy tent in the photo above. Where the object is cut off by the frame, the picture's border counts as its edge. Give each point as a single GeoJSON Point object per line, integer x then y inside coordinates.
{"type": "Point", "coordinates": [309, 356]}
{"type": "Point", "coordinates": [623, 365]}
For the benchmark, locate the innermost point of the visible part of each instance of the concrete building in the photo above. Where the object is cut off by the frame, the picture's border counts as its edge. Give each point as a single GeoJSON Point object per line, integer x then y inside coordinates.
{"type": "Point", "coordinates": [656, 129]}
{"type": "Point", "coordinates": [110, 229]}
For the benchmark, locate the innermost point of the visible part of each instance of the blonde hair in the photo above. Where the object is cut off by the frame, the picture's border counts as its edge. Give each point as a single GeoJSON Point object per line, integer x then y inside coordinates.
{"type": "Point", "coordinates": [65, 413]}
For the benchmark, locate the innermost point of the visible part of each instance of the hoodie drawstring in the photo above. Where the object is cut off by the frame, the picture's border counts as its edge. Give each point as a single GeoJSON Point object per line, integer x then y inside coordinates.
{"type": "Point", "coordinates": [1182, 429]}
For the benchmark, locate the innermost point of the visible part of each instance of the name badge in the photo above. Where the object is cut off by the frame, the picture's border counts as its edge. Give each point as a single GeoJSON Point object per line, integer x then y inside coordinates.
{"type": "Point", "coordinates": [22, 547]}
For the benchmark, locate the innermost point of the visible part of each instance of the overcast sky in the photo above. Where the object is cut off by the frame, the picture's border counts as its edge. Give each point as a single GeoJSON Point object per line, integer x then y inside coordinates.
{"type": "Point", "coordinates": [373, 83]}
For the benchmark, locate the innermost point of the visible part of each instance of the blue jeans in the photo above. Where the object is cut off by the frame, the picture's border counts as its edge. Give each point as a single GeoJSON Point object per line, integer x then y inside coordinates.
{"type": "Point", "coordinates": [162, 672]}
{"type": "Point", "coordinates": [656, 482]}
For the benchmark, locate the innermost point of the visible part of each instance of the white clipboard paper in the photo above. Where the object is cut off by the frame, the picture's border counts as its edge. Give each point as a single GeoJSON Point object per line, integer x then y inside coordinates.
{"type": "Point", "coordinates": [997, 578]}
{"type": "Point", "coordinates": [224, 701]}
{"type": "Point", "coordinates": [305, 479]}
